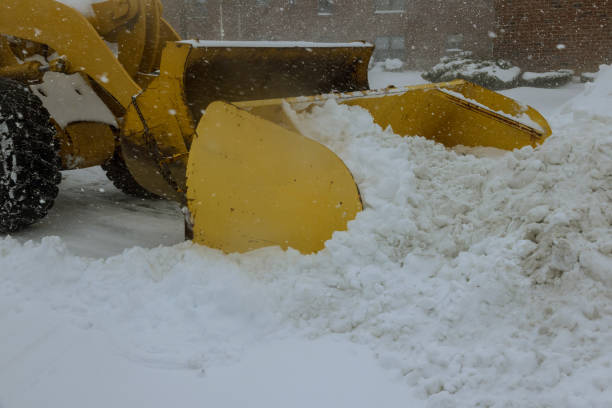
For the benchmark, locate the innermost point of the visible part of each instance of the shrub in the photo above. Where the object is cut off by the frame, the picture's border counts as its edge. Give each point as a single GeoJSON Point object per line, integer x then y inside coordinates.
{"type": "Point", "coordinates": [490, 74]}
{"type": "Point", "coordinates": [588, 76]}
{"type": "Point", "coordinates": [552, 79]}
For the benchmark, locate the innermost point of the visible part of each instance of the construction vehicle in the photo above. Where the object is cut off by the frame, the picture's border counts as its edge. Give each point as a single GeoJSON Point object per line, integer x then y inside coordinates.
{"type": "Point", "coordinates": [206, 123]}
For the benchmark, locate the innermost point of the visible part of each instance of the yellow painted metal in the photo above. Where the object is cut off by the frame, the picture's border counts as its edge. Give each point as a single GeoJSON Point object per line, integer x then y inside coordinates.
{"type": "Point", "coordinates": [86, 144]}
{"type": "Point", "coordinates": [139, 31]}
{"type": "Point", "coordinates": [152, 38]}
{"type": "Point", "coordinates": [131, 41]}
{"type": "Point", "coordinates": [242, 73]}
{"type": "Point", "coordinates": [159, 126]}
{"type": "Point", "coordinates": [11, 67]}
{"type": "Point", "coordinates": [452, 113]}
{"type": "Point", "coordinates": [253, 184]}
{"type": "Point", "coordinates": [167, 33]}
{"type": "Point", "coordinates": [111, 14]}
{"type": "Point", "coordinates": [28, 71]}
{"type": "Point", "coordinates": [68, 33]}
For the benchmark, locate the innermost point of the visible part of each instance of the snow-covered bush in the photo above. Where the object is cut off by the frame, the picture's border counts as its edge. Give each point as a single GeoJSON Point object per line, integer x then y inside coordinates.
{"type": "Point", "coordinates": [499, 74]}
{"type": "Point", "coordinates": [552, 79]}
{"type": "Point", "coordinates": [588, 76]}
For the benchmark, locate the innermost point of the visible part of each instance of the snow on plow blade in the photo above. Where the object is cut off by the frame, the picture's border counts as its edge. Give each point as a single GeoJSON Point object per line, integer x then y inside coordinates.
{"type": "Point", "coordinates": [255, 181]}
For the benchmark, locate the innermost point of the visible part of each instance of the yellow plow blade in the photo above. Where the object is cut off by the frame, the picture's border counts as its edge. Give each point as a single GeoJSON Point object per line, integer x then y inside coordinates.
{"type": "Point", "coordinates": [252, 183]}
{"type": "Point", "coordinates": [253, 180]}
{"type": "Point", "coordinates": [451, 113]}
{"type": "Point", "coordinates": [253, 70]}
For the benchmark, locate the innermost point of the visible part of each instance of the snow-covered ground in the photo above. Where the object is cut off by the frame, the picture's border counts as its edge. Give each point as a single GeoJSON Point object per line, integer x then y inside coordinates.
{"type": "Point", "coordinates": [466, 282]}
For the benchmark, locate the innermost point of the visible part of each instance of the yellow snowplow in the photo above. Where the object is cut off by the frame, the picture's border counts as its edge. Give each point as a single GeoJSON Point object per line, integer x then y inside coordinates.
{"type": "Point", "coordinates": [207, 123]}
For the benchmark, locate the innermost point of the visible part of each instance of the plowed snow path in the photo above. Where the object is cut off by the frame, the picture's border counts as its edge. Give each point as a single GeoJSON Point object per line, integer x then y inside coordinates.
{"type": "Point", "coordinates": [95, 219]}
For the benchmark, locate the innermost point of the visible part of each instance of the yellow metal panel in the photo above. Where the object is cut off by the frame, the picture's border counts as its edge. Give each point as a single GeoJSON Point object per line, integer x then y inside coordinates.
{"type": "Point", "coordinates": [110, 14]}
{"type": "Point", "coordinates": [152, 14]}
{"type": "Point", "coordinates": [254, 184]}
{"type": "Point", "coordinates": [86, 144]}
{"type": "Point", "coordinates": [131, 41]}
{"type": "Point", "coordinates": [157, 128]}
{"type": "Point", "coordinates": [242, 73]}
{"type": "Point", "coordinates": [28, 71]}
{"type": "Point", "coordinates": [452, 113]}
{"type": "Point", "coordinates": [167, 33]}
{"type": "Point", "coordinates": [69, 33]}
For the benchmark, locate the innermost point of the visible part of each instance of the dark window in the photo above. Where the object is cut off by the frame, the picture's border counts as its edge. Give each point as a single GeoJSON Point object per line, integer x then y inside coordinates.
{"type": "Point", "coordinates": [390, 47]}
{"type": "Point", "coordinates": [389, 5]}
{"type": "Point", "coordinates": [326, 7]}
{"type": "Point", "coordinates": [454, 42]}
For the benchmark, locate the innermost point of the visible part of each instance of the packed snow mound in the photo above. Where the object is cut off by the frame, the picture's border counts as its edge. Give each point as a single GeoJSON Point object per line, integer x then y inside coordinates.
{"type": "Point", "coordinates": [476, 281]}
{"type": "Point", "coordinates": [595, 103]}
{"type": "Point", "coordinates": [393, 64]}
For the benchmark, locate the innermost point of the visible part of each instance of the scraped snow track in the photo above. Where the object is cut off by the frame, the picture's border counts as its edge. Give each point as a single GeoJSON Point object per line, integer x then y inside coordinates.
{"type": "Point", "coordinates": [475, 281]}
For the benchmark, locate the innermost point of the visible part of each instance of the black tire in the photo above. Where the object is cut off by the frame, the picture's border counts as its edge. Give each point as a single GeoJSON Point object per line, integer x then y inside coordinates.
{"type": "Point", "coordinates": [29, 161]}
{"type": "Point", "coordinates": [118, 172]}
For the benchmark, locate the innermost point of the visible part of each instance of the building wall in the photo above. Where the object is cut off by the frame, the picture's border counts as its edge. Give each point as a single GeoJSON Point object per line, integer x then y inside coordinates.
{"type": "Point", "coordinates": [424, 26]}
{"type": "Point", "coordinates": [542, 35]}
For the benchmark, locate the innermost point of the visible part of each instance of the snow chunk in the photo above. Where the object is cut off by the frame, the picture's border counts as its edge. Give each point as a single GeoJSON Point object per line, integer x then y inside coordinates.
{"type": "Point", "coordinates": [394, 64]}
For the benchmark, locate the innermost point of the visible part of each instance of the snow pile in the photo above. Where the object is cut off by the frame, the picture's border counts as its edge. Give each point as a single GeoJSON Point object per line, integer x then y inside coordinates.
{"type": "Point", "coordinates": [475, 281]}
{"type": "Point", "coordinates": [595, 103]}
{"type": "Point", "coordinates": [498, 74]}
{"type": "Point", "coordinates": [393, 64]}
{"type": "Point", "coordinates": [389, 65]}
{"type": "Point", "coordinates": [588, 76]}
{"type": "Point", "coordinates": [552, 79]}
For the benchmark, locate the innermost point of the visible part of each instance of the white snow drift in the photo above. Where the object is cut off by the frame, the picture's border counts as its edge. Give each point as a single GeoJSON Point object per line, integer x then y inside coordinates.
{"type": "Point", "coordinates": [474, 281]}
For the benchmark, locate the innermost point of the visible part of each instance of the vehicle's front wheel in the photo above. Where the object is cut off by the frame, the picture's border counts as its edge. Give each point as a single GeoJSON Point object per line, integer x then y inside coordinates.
{"type": "Point", "coordinates": [29, 161]}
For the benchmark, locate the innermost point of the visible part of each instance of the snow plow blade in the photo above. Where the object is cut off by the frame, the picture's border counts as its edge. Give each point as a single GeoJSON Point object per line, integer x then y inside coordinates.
{"type": "Point", "coordinates": [254, 180]}
{"type": "Point", "coordinates": [452, 113]}
{"type": "Point", "coordinates": [252, 183]}
{"type": "Point", "coordinates": [253, 70]}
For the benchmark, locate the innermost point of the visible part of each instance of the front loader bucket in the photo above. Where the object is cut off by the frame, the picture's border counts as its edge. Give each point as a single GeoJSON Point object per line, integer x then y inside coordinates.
{"type": "Point", "coordinates": [253, 180]}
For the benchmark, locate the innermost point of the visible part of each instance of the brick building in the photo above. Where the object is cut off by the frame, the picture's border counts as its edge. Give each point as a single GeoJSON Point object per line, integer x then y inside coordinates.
{"type": "Point", "coordinates": [416, 31]}
{"type": "Point", "coordinates": [542, 35]}
{"type": "Point", "coordinates": [537, 35]}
